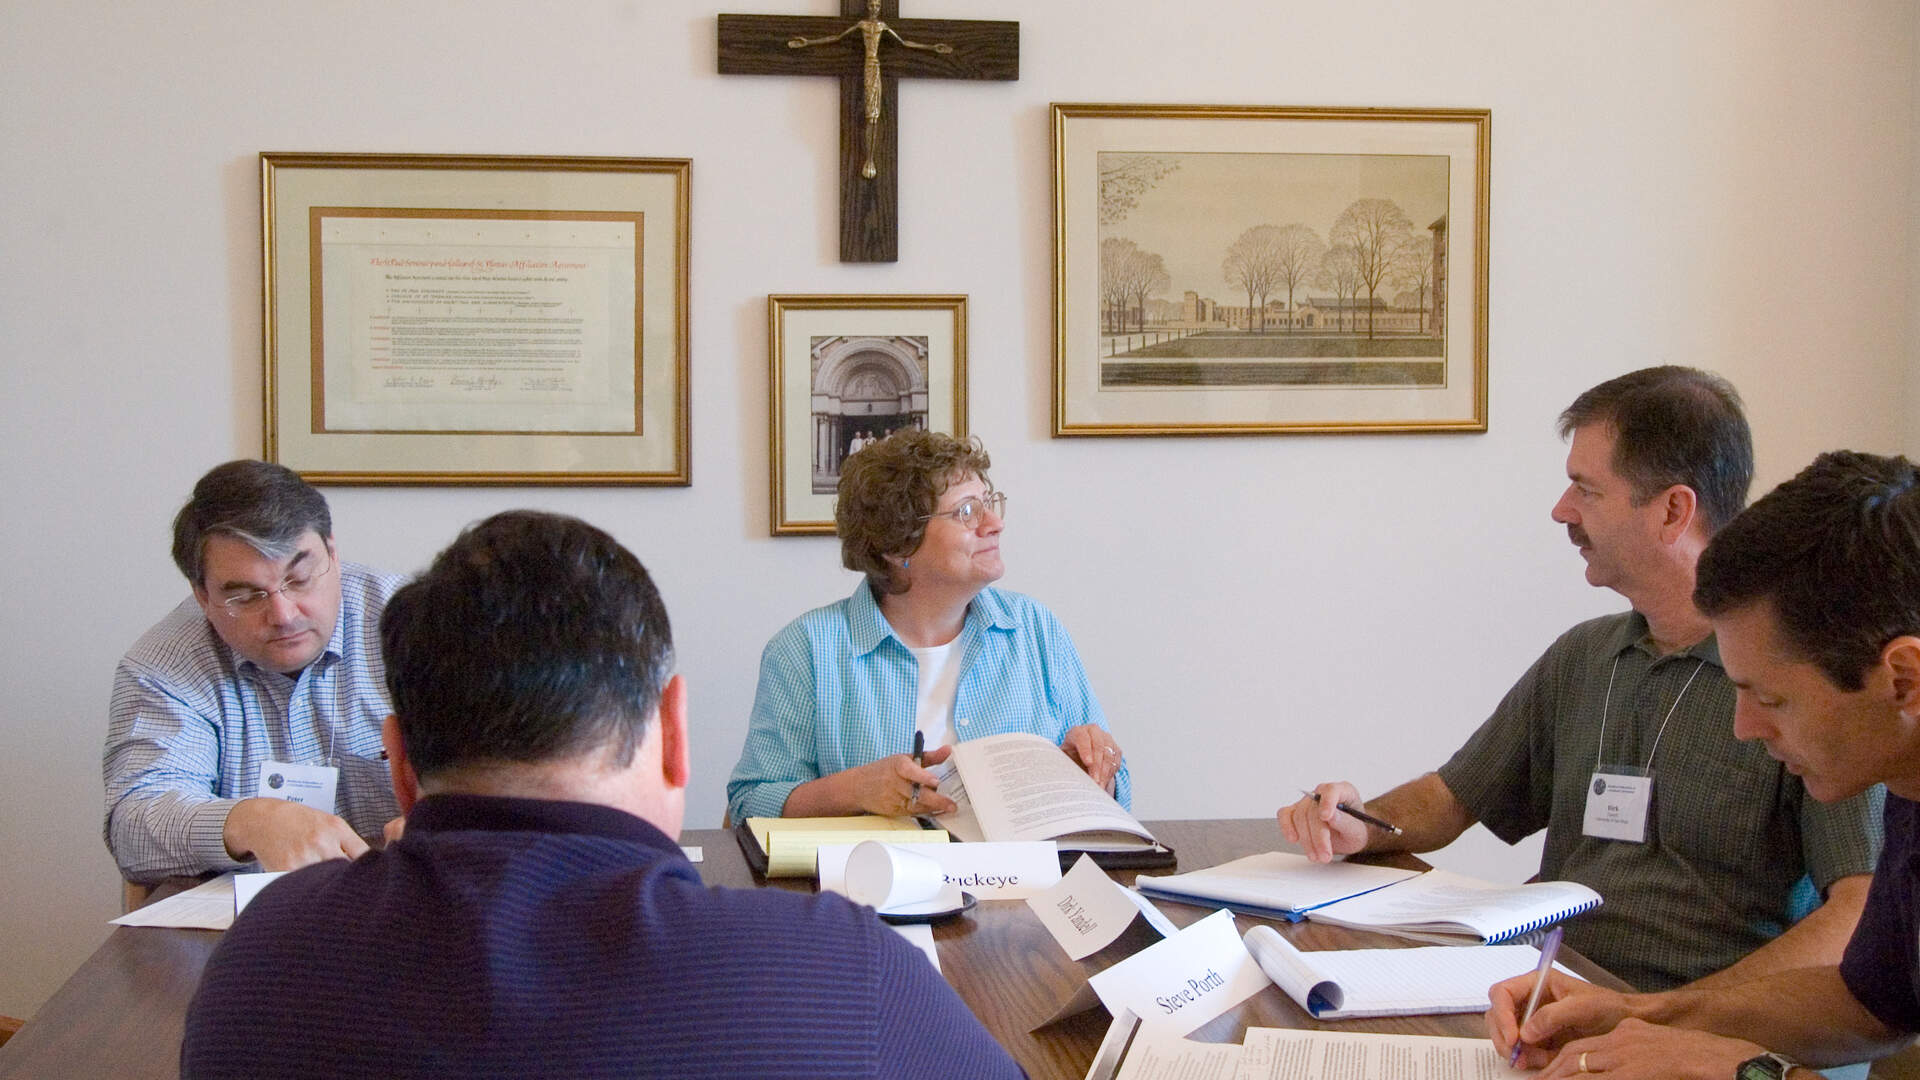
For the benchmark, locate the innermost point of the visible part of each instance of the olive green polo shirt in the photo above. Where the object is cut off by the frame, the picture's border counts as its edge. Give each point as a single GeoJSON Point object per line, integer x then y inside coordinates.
{"type": "Point", "coordinates": [1729, 832]}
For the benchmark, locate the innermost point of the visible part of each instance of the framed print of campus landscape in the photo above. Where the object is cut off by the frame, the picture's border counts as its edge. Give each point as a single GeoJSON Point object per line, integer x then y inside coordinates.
{"type": "Point", "coordinates": [1226, 270]}
{"type": "Point", "coordinates": [476, 320]}
{"type": "Point", "coordinates": [847, 371]}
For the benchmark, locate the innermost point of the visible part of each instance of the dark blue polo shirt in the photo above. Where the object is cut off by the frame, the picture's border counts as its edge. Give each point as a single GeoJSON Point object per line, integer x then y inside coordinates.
{"type": "Point", "coordinates": [515, 937]}
{"type": "Point", "coordinates": [1881, 967]}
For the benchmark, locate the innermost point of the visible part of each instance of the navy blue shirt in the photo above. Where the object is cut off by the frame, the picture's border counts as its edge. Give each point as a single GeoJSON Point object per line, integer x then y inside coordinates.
{"type": "Point", "coordinates": [1881, 967]}
{"type": "Point", "coordinates": [516, 937]}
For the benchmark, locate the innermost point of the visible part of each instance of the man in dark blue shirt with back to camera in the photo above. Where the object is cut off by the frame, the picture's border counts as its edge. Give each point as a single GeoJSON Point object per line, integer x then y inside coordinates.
{"type": "Point", "coordinates": [537, 917]}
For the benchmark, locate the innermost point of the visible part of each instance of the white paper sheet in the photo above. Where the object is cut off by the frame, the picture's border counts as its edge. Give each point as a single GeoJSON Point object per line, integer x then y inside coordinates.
{"type": "Point", "coordinates": [248, 886]}
{"type": "Point", "coordinates": [920, 935]}
{"type": "Point", "coordinates": [207, 906]}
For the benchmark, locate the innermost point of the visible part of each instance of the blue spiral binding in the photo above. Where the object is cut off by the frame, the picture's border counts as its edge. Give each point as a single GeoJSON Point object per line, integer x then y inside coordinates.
{"type": "Point", "coordinates": [1531, 933]}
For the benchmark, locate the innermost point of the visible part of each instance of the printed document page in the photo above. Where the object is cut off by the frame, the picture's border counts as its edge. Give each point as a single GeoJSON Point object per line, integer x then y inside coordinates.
{"type": "Point", "coordinates": [1022, 787]}
{"type": "Point", "coordinates": [1133, 1050]}
{"type": "Point", "coordinates": [1283, 1054]}
{"type": "Point", "coordinates": [1162, 1053]}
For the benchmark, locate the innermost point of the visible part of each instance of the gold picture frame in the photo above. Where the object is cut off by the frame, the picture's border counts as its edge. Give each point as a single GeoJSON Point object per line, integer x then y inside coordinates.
{"type": "Point", "coordinates": [845, 369]}
{"type": "Point", "coordinates": [463, 319]}
{"type": "Point", "coordinates": [1235, 270]}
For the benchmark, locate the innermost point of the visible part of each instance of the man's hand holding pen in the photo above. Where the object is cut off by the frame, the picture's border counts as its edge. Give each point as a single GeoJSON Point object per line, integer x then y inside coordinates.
{"type": "Point", "coordinates": [1328, 821]}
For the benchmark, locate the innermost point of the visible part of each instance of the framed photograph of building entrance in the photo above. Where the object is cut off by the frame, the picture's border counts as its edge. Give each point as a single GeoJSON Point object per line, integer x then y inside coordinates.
{"type": "Point", "coordinates": [476, 320]}
{"type": "Point", "coordinates": [848, 371]}
{"type": "Point", "coordinates": [1227, 270]}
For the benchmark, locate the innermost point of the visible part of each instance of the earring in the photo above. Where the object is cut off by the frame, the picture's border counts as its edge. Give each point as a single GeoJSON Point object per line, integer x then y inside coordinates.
{"type": "Point", "coordinates": [904, 563]}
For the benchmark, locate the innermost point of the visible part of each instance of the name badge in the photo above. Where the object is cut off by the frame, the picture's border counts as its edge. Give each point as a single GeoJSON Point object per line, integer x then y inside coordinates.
{"type": "Point", "coordinates": [1617, 804]}
{"type": "Point", "coordinates": [308, 785]}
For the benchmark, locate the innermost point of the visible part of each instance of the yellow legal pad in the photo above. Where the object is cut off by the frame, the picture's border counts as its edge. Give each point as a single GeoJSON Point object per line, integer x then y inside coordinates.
{"type": "Point", "coordinates": [792, 844]}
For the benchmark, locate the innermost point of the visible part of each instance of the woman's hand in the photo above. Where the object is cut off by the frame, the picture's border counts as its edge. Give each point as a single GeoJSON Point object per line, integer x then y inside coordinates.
{"type": "Point", "coordinates": [884, 787]}
{"type": "Point", "coordinates": [1093, 749]}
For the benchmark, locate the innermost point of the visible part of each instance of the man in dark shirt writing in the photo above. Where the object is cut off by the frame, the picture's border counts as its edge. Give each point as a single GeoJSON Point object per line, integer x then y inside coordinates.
{"type": "Point", "coordinates": [1814, 594]}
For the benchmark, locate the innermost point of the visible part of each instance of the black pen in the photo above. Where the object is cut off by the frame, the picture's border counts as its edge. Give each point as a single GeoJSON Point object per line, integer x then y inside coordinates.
{"type": "Point", "coordinates": [919, 756]}
{"type": "Point", "coordinates": [1360, 814]}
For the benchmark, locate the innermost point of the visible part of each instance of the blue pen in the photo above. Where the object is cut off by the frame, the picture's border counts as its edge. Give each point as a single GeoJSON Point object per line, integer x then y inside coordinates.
{"type": "Point", "coordinates": [1548, 950]}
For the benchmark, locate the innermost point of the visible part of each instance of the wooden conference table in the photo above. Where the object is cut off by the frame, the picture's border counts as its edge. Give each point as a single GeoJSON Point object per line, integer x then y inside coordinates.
{"type": "Point", "coordinates": [120, 1015]}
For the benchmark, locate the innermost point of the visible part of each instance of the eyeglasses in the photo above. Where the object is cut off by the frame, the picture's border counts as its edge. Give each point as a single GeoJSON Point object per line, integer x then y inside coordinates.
{"type": "Point", "coordinates": [293, 588]}
{"type": "Point", "coordinates": [973, 509]}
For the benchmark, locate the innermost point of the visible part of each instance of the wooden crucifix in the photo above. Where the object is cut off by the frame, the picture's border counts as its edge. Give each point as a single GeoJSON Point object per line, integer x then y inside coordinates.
{"type": "Point", "coordinates": [870, 56]}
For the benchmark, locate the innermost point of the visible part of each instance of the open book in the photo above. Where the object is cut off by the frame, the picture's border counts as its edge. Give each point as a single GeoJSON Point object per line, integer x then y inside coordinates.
{"type": "Point", "coordinates": [1436, 906]}
{"type": "Point", "coordinates": [1021, 787]}
{"type": "Point", "coordinates": [1340, 984]}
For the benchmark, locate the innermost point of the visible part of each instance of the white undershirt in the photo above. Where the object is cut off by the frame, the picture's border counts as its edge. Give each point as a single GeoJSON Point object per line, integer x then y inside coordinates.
{"type": "Point", "coordinates": [939, 685]}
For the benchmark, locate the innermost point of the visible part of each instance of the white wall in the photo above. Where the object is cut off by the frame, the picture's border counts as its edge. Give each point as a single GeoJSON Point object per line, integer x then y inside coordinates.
{"type": "Point", "coordinates": [1912, 410]}
{"type": "Point", "coordinates": [1723, 184]}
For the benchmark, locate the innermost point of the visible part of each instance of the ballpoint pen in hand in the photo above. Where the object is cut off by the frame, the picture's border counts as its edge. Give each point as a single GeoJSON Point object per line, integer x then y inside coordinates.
{"type": "Point", "coordinates": [1360, 815]}
{"type": "Point", "coordinates": [1548, 950]}
{"type": "Point", "coordinates": [919, 760]}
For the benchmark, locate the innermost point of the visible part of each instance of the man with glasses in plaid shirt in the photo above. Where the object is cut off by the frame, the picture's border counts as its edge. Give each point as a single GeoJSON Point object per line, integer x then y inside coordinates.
{"type": "Point", "coordinates": [245, 726]}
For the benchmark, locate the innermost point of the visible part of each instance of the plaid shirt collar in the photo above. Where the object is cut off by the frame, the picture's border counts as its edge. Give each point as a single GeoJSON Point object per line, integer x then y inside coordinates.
{"type": "Point", "coordinates": [868, 628]}
{"type": "Point", "coordinates": [1634, 634]}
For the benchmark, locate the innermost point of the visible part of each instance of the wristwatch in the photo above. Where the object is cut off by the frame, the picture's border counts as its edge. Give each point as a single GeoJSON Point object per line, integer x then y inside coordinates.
{"type": "Point", "coordinates": [1768, 1066]}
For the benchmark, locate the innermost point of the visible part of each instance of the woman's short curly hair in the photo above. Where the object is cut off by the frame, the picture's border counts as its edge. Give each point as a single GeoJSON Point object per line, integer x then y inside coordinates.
{"type": "Point", "coordinates": [887, 489]}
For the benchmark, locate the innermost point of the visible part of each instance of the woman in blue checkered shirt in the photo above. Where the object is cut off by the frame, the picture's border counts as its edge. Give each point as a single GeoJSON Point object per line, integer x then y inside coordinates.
{"type": "Point", "coordinates": [924, 645]}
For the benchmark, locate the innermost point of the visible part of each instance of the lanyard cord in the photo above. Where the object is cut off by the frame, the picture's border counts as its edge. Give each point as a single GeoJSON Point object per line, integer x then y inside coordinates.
{"type": "Point", "coordinates": [333, 714]}
{"type": "Point", "coordinates": [1600, 750]}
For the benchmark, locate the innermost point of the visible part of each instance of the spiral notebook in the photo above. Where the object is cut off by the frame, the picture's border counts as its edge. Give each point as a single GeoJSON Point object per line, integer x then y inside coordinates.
{"type": "Point", "coordinates": [1345, 983]}
{"type": "Point", "coordinates": [1452, 909]}
{"type": "Point", "coordinates": [1435, 906]}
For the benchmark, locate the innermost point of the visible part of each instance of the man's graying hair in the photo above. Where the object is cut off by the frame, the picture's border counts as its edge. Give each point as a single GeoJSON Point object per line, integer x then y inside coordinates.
{"type": "Point", "coordinates": [1674, 425]}
{"type": "Point", "coordinates": [267, 507]}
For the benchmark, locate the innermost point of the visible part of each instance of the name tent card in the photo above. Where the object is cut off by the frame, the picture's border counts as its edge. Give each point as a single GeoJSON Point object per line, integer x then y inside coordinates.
{"type": "Point", "coordinates": [1008, 871]}
{"type": "Point", "coordinates": [1186, 980]}
{"type": "Point", "coordinates": [1088, 911]}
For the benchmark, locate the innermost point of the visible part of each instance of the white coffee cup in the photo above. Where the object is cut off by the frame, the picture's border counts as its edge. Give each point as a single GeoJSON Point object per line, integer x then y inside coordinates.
{"type": "Point", "coordinates": [885, 877]}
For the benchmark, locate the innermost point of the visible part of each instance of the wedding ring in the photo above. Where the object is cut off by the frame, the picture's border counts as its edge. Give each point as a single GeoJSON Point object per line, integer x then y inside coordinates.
{"type": "Point", "coordinates": [1583, 1061]}
{"type": "Point", "coordinates": [1111, 751]}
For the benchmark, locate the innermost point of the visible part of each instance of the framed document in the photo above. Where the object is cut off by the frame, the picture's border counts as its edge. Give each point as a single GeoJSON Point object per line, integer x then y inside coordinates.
{"type": "Point", "coordinates": [848, 371]}
{"type": "Point", "coordinates": [476, 320]}
{"type": "Point", "coordinates": [1227, 270]}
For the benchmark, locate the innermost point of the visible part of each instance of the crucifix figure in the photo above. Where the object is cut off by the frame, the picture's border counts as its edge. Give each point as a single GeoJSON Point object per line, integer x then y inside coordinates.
{"type": "Point", "coordinates": [869, 98]}
{"type": "Point", "coordinates": [871, 28]}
